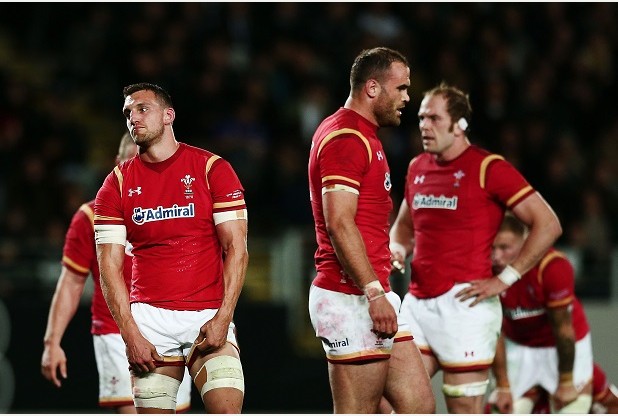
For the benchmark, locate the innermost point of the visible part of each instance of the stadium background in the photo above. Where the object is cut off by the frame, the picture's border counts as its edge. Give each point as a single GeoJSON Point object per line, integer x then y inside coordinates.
{"type": "Point", "coordinates": [250, 81]}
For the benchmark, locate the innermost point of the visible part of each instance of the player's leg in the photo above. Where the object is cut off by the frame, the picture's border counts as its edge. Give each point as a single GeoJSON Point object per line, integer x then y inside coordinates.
{"type": "Point", "coordinates": [358, 360]}
{"type": "Point", "coordinates": [408, 387]}
{"type": "Point", "coordinates": [219, 378]}
{"type": "Point", "coordinates": [464, 392]}
{"type": "Point", "coordinates": [157, 391]}
{"type": "Point", "coordinates": [357, 388]}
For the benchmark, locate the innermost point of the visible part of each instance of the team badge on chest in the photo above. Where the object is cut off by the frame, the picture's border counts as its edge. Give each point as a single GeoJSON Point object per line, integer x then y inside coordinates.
{"type": "Point", "coordinates": [187, 181]}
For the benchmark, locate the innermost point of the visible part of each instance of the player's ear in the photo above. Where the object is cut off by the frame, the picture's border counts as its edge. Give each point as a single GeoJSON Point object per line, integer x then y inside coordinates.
{"type": "Point", "coordinates": [372, 88]}
{"type": "Point", "coordinates": [169, 115]}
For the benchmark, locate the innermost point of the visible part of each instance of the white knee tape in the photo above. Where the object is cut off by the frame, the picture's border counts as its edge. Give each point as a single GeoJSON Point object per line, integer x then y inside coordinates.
{"type": "Point", "coordinates": [523, 405]}
{"type": "Point", "coordinates": [156, 391]}
{"type": "Point", "coordinates": [580, 405]}
{"type": "Point", "coordinates": [477, 388]}
{"type": "Point", "coordinates": [222, 371]}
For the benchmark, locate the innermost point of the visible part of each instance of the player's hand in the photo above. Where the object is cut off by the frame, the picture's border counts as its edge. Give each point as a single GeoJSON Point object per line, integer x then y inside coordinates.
{"type": "Point", "coordinates": [384, 318]}
{"type": "Point", "coordinates": [565, 394]}
{"type": "Point", "coordinates": [504, 402]}
{"type": "Point", "coordinates": [141, 354]}
{"type": "Point", "coordinates": [212, 336]}
{"type": "Point", "coordinates": [54, 364]}
{"type": "Point", "coordinates": [398, 258]}
{"type": "Point", "coordinates": [482, 289]}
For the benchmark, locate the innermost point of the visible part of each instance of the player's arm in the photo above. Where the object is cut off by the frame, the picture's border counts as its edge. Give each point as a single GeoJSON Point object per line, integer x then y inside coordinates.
{"type": "Point", "coordinates": [564, 334]}
{"type": "Point", "coordinates": [233, 239]}
{"type": "Point", "coordinates": [401, 237]}
{"type": "Point", "coordinates": [64, 304]}
{"type": "Point", "coordinates": [140, 353]}
{"type": "Point", "coordinates": [544, 228]}
{"type": "Point", "coordinates": [504, 399]}
{"type": "Point", "coordinates": [339, 213]}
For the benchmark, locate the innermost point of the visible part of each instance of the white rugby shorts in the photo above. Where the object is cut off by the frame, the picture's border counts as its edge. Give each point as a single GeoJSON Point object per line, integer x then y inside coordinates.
{"type": "Point", "coordinates": [531, 366]}
{"type": "Point", "coordinates": [343, 324]}
{"type": "Point", "coordinates": [173, 332]}
{"type": "Point", "coordinates": [462, 338]}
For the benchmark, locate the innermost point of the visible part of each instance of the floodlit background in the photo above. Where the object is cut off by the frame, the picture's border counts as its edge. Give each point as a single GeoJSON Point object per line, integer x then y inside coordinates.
{"type": "Point", "coordinates": [251, 81]}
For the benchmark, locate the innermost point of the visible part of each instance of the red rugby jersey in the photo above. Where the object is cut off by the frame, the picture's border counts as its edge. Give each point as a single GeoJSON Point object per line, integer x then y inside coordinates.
{"type": "Point", "coordinates": [79, 255]}
{"type": "Point", "coordinates": [550, 284]}
{"type": "Point", "coordinates": [456, 209]}
{"type": "Point", "coordinates": [345, 150]}
{"type": "Point", "coordinates": [168, 208]}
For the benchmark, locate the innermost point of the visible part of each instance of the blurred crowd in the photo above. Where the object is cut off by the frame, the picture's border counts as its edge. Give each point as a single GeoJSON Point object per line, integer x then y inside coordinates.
{"type": "Point", "coordinates": [251, 81]}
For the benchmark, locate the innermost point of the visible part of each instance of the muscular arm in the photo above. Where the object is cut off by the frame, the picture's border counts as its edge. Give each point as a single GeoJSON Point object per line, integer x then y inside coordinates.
{"type": "Point", "coordinates": [140, 353]}
{"type": "Point", "coordinates": [544, 230]}
{"type": "Point", "coordinates": [63, 307]}
{"type": "Point", "coordinates": [339, 213]}
{"type": "Point", "coordinates": [562, 327]}
{"type": "Point", "coordinates": [233, 238]}
{"type": "Point", "coordinates": [402, 231]}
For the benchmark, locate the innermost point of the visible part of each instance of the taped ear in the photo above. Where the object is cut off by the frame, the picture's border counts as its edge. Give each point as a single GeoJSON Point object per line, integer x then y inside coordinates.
{"type": "Point", "coordinates": [462, 123]}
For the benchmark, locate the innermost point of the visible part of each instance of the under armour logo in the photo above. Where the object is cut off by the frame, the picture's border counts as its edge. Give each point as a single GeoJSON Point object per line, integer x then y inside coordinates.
{"type": "Point", "coordinates": [419, 179]}
{"type": "Point", "coordinates": [469, 354]}
{"type": "Point", "coordinates": [379, 154]}
{"type": "Point", "coordinates": [137, 190]}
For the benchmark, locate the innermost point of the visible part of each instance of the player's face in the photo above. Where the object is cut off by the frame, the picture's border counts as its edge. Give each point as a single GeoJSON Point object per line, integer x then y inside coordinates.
{"type": "Point", "coordinates": [435, 125]}
{"type": "Point", "coordinates": [145, 117]}
{"type": "Point", "coordinates": [393, 95]}
{"type": "Point", "coordinates": [505, 249]}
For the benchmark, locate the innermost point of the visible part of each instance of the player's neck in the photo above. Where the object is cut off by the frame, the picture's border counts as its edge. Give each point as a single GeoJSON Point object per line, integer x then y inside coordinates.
{"type": "Point", "coordinates": [160, 151]}
{"type": "Point", "coordinates": [453, 152]}
{"type": "Point", "coordinates": [358, 107]}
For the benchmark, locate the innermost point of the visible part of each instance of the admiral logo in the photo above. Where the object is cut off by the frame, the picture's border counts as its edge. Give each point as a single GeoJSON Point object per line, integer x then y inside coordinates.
{"type": "Point", "coordinates": [144, 215]}
{"type": "Point", "coordinates": [432, 201]}
{"type": "Point", "coordinates": [337, 344]}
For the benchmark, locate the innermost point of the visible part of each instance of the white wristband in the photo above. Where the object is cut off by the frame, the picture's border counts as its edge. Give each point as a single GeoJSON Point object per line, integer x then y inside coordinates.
{"type": "Point", "coordinates": [374, 290]}
{"type": "Point", "coordinates": [509, 275]}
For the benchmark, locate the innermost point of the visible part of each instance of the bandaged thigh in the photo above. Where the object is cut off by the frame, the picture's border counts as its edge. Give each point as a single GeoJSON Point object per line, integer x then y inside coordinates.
{"type": "Point", "coordinates": [155, 391]}
{"type": "Point", "coordinates": [476, 388]}
{"type": "Point", "coordinates": [218, 372]}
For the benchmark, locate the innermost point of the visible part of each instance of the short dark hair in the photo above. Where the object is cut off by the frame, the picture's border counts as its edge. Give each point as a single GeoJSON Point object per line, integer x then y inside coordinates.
{"type": "Point", "coordinates": [373, 63]}
{"type": "Point", "coordinates": [159, 92]}
{"type": "Point", "coordinates": [514, 225]}
{"type": "Point", "coordinates": [457, 102]}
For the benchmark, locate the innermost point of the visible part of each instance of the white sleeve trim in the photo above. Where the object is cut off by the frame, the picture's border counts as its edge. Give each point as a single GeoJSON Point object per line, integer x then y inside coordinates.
{"type": "Point", "coordinates": [110, 234]}
{"type": "Point", "coordinates": [239, 214]}
{"type": "Point", "coordinates": [339, 187]}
